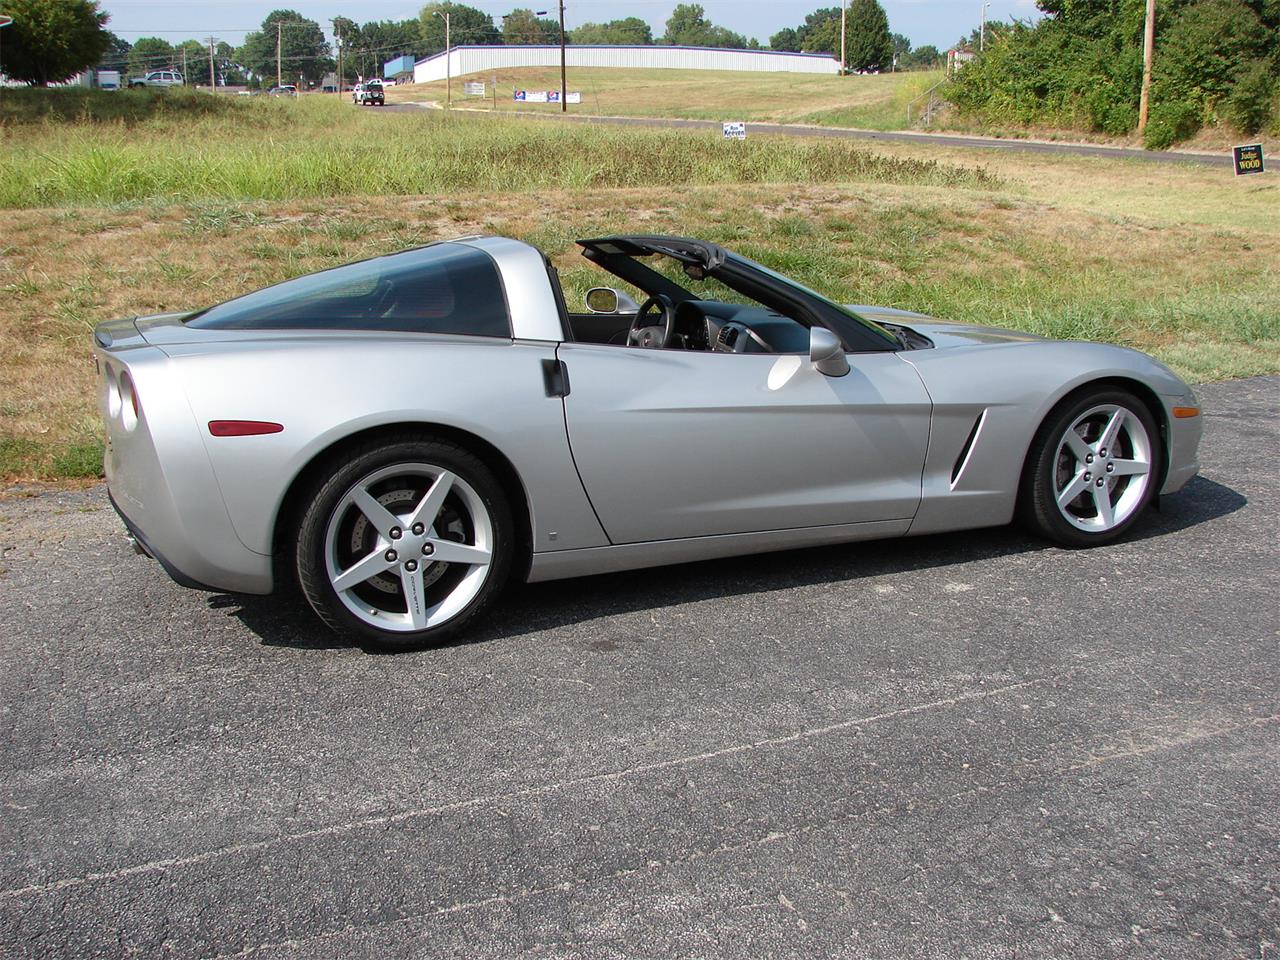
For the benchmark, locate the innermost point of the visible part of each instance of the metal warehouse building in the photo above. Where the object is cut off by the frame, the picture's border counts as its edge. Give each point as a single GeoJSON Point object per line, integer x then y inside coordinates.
{"type": "Point", "coordinates": [480, 59]}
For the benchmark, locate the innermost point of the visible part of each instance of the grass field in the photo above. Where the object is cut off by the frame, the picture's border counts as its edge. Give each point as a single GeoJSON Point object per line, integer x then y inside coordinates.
{"type": "Point", "coordinates": [873, 102]}
{"type": "Point", "coordinates": [1181, 262]}
{"type": "Point", "coordinates": [278, 149]}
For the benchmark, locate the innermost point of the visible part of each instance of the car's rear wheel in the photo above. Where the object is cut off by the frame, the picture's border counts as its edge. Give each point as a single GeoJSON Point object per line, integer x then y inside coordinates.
{"type": "Point", "coordinates": [405, 543]}
{"type": "Point", "coordinates": [1092, 469]}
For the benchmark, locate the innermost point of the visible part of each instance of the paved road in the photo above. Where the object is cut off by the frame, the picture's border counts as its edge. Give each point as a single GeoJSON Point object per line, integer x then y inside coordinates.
{"type": "Point", "coordinates": [969, 745]}
{"type": "Point", "coordinates": [923, 139]}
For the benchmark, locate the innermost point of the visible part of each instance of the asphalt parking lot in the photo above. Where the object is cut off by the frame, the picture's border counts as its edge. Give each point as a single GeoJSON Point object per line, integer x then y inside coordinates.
{"type": "Point", "coordinates": [970, 745]}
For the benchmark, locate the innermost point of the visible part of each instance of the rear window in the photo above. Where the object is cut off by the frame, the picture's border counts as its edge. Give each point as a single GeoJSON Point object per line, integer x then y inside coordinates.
{"type": "Point", "coordinates": [442, 288]}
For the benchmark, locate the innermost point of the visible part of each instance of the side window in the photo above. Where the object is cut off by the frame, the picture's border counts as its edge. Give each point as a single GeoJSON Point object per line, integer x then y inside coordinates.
{"type": "Point", "coordinates": [443, 288]}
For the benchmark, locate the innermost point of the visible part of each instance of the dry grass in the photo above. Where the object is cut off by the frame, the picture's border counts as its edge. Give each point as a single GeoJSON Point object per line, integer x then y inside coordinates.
{"type": "Point", "coordinates": [876, 102]}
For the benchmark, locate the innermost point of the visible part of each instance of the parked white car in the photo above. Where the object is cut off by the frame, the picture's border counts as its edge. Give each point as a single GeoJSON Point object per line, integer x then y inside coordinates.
{"type": "Point", "coordinates": [158, 78]}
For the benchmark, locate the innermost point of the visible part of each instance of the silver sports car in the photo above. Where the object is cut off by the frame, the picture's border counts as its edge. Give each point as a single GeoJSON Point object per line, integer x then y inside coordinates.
{"type": "Point", "coordinates": [403, 434]}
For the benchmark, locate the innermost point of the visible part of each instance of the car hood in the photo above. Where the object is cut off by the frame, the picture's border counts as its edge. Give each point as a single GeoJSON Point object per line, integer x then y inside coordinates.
{"type": "Point", "coordinates": [942, 333]}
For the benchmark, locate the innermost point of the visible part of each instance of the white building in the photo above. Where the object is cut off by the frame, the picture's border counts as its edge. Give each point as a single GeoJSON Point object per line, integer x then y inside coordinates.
{"type": "Point", "coordinates": [484, 59]}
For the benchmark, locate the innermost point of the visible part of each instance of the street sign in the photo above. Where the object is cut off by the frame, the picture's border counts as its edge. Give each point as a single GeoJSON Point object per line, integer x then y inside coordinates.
{"type": "Point", "coordinates": [1247, 158]}
{"type": "Point", "coordinates": [735, 130]}
{"type": "Point", "coordinates": [473, 88]}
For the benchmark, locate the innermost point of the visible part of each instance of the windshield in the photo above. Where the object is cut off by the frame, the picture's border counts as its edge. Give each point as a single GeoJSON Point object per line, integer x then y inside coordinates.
{"type": "Point", "coordinates": [774, 275]}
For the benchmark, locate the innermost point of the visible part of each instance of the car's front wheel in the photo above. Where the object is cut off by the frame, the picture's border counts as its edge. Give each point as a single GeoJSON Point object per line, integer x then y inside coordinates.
{"type": "Point", "coordinates": [1092, 468]}
{"type": "Point", "coordinates": [405, 543]}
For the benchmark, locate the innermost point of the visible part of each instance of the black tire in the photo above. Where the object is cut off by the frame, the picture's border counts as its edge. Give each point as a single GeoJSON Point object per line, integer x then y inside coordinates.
{"type": "Point", "coordinates": [1042, 478]}
{"type": "Point", "coordinates": [352, 466]}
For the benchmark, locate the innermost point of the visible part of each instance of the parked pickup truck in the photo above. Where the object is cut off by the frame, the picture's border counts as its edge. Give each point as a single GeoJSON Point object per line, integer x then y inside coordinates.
{"type": "Point", "coordinates": [369, 94]}
{"type": "Point", "coordinates": [158, 78]}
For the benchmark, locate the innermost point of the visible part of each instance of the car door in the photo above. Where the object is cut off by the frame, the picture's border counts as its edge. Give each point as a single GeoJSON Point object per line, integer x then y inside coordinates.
{"type": "Point", "coordinates": [673, 443]}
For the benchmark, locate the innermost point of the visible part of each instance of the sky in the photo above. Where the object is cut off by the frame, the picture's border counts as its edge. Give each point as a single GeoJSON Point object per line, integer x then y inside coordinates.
{"type": "Point", "coordinates": [939, 22]}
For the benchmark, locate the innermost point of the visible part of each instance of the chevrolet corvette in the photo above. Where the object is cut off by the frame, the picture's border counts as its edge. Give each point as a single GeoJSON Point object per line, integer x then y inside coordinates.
{"type": "Point", "coordinates": [403, 435]}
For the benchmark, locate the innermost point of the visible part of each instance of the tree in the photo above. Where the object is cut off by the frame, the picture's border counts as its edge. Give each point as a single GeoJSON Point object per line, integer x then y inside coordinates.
{"type": "Point", "coordinates": [870, 48]}
{"type": "Point", "coordinates": [466, 25]}
{"type": "Point", "coordinates": [150, 53]}
{"type": "Point", "coordinates": [688, 26]}
{"type": "Point", "coordinates": [304, 52]}
{"type": "Point", "coordinates": [901, 48]}
{"type": "Point", "coordinates": [927, 57]}
{"type": "Point", "coordinates": [522, 25]}
{"type": "Point", "coordinates": [373, 44]}
{"type": "Point", "coordinates": [51, 41]}
{"type": "Point", "coordinates": [1206, 50]}
{"type": "Point", "coordinates": [192, 57]}
{"type": "Point", "coordinates": [785, 39]}
{"type": "Point", "coordinates": [820, 32]}
{"type": "Point", "coordinates": [628, 30]}
{"type": "Point", "coordinates": [116, 56]}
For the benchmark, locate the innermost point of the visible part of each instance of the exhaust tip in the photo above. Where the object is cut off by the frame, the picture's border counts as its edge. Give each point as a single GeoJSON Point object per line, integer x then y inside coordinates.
{"type": "Point", "coordinates": [138, 548]}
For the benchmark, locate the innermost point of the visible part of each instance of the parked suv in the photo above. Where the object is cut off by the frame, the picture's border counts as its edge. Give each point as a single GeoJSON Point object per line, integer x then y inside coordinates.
{"type": "Point", "coordinates": [158, 78]}
{"type": "Point", "coordinates": [369, 94]}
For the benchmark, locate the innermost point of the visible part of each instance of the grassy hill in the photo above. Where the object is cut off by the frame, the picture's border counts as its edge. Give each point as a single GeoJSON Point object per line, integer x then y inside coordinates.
{"type": "Point", "coordinates": [875, 102]}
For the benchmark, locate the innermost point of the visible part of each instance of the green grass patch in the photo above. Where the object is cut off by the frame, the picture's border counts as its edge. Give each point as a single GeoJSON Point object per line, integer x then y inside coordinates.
{"type": "Point", "coordinates": [78, 460]}
{"type": "Point", "coordinates": [321, 149]}
{"type": "Point", "coordinates": [26, 106]}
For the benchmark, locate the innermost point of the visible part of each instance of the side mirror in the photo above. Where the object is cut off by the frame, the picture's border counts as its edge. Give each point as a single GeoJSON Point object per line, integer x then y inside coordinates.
{"type": "Point", "coordinates": [609, 300]}
{"type": "Point", "coordinates": [827, 352]}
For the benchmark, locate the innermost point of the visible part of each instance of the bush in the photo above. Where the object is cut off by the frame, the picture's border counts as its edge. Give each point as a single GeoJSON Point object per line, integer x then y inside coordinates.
{"type": "Point", "coordinates": [1249, 106]}
{"type": "Point", "coordinates": [1170, 123]}
{"type": "Point", "coordinates": [1205, 51]}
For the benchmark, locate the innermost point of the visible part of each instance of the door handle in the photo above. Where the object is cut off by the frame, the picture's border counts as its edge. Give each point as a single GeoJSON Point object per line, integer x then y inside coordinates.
{"type": "Point", "coordinates": [555, 377]}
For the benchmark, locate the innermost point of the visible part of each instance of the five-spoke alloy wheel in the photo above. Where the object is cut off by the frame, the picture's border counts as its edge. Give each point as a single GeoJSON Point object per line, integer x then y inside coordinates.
{"type": "Point", "coordinates": [1093, 468]}
{"type": "Point", "coordinates": [404, 542]}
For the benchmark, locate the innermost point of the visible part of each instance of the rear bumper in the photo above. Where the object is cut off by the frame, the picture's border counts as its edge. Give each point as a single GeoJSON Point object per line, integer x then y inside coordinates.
{"type": "Point", "coordinates": [140, 544]}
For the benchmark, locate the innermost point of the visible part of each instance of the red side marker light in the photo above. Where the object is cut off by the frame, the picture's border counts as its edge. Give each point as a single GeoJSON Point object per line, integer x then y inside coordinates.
{"type": "Point", "coordinates": [243, 428]}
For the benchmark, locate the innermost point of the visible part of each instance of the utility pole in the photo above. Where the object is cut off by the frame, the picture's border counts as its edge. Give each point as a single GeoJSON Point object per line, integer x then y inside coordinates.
{"type": "Point", "coordinates": [184, 66]}
{"type": "Point", "coordinates": [982, 32]}
{"type": "Point", "coordinates": [213, 76]}
{"type": "Point", "coordinates": [279, 27]}
{"type": "Point", "coordinates": [844, 5]}
{"type": "Point", "coordinates": [338, 36]}
{"type": "Point", "coordinates": [1148, 52]}
{"type": "Point", "coordinates": [448, 62]}
{"type": "Point", "coordinates": [564, 91]}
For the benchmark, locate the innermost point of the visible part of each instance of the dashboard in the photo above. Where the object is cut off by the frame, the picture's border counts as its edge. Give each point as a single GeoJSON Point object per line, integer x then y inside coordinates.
{"type": "Point", "coordinates": [719, 327]}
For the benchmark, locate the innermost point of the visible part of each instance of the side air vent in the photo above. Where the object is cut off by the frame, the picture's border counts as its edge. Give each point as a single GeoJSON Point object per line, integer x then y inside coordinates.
{"type": "Point", "coordinates": [962, 460]}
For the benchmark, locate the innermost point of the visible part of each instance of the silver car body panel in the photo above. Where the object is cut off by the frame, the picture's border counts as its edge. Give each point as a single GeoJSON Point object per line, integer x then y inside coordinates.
{"type": "Point", "coordinates": [673, 444]}
{"type": "Point", "coordinates": [679, 455]}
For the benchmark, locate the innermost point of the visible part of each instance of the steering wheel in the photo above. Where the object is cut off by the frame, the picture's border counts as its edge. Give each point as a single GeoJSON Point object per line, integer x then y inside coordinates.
{"type": "Point", "coordinates": [654, 335]}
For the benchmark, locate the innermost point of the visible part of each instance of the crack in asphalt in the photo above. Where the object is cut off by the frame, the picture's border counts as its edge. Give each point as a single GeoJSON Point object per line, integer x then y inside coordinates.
{"type": "Point", "coordinates": [254, 846]}
{"type": "Point", "coordinates": [749, 843]}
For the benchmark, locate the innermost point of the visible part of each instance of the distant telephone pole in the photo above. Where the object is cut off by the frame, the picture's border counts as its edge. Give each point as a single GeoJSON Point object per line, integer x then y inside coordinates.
{"type": "Point", "coordinates": [448, 62]}
{"type": "Point", "coordinates": [213, 76]}
{"type": "Point", "coordinates": [982, 31]}
{"type": "Point", "coordinates": [1148, 52]}
{"type": "Point", "coordinates": [279, 27]}
{"type": "Point", "coordinates": [844, 6]}
{"type": "Point", "coordinates": [564, 91]}
{"type": "Point", "coordinates": [337, 33]}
